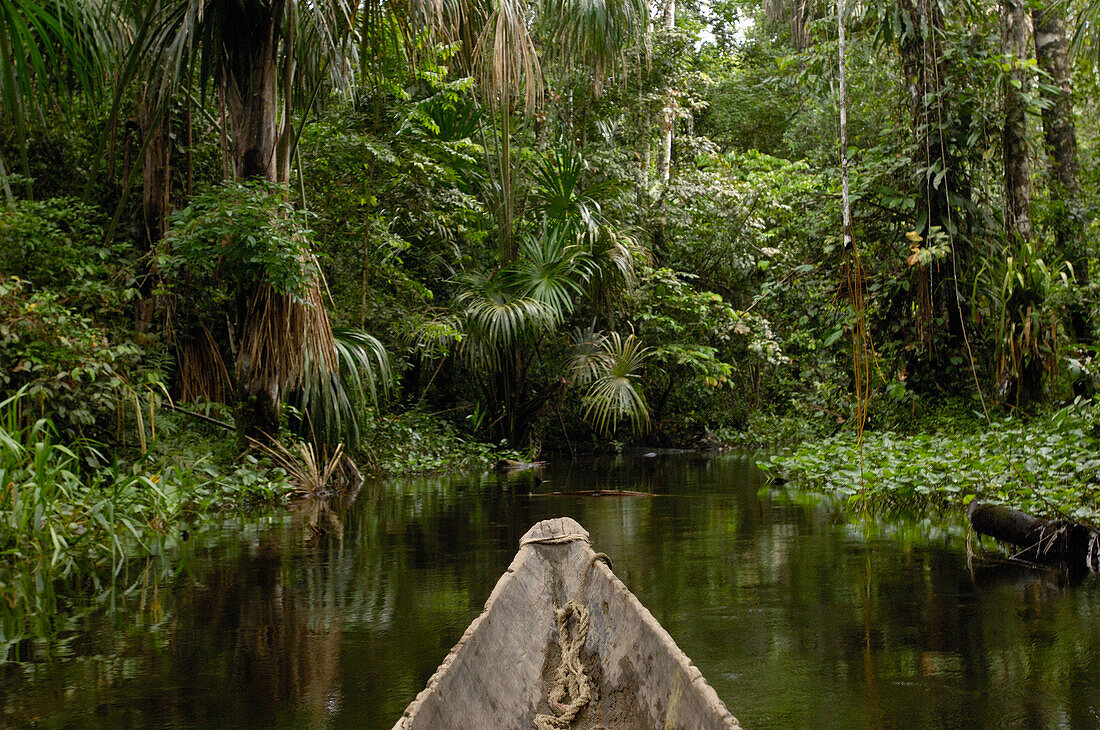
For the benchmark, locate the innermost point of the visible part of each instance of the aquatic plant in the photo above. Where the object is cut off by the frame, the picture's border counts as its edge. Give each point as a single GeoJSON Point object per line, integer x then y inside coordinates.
{"type": "Point", "coordinates": [1043, 466]}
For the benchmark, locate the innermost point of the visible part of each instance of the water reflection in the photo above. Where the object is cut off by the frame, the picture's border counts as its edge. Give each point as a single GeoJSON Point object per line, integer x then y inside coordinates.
{"type": "Point", "coordinates": [332, 617]}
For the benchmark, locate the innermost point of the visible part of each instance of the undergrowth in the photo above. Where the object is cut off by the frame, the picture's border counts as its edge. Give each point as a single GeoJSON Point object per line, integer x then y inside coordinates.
{"type": "Point", "coordinates": [416, 443]}
{"type": "Point", "coordinates": [64, 507]}
{"type": "Point", "coordinates": [1045, 465]}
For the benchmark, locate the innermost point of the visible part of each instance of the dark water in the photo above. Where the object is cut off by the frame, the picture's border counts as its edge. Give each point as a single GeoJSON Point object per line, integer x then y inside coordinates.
{"type": "Point", "coordinates": [795, 616]}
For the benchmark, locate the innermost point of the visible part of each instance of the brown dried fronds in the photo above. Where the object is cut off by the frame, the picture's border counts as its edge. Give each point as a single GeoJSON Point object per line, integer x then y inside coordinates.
{"type": "Point", "coordinates": [202, 372]}
{"type": "Point", "coordinates": [281, 334]}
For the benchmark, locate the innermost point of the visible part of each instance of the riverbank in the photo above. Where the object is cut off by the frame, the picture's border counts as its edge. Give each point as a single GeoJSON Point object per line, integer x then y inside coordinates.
{"type": "Point", "coordinates": [73, 512]}
{"type": "Point", "coordinates": [1046, 465]}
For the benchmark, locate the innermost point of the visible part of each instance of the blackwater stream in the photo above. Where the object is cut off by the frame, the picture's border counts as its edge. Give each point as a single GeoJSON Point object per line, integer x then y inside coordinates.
{"type": "Point", "coordinates": [797, 616]}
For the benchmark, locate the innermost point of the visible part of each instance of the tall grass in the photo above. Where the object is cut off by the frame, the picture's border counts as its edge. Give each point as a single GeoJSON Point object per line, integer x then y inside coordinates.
{"type": "Point", "coordinates": [70, 526]}
{"type": "Point", "coordinates": [59, 506]}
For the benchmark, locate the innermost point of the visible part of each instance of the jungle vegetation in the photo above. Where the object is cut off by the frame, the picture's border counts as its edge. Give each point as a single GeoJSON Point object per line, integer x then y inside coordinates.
{"type": "Point", "coordinates": [342, 236]}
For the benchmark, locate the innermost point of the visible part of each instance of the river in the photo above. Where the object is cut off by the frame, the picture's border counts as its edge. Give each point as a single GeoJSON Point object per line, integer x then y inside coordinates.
{"type": "Point", "coordinates": [797, 614]}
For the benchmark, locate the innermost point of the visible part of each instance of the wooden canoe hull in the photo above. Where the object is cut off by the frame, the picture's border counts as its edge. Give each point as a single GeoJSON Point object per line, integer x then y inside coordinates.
{"type": "Point", "coordinates": [497, 675]}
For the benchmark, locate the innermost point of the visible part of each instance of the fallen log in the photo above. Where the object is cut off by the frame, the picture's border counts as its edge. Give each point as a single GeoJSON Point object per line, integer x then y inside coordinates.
{"type": "Point", "coordinates": [1073, 547]}
{"type": "Point", "coordinates": [596, 493]}
{"type": "Point", "coordinates": [511, 465]}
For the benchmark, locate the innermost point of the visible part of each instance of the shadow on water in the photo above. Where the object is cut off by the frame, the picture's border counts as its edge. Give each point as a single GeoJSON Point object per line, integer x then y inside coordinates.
{"type": "Point", "coordinates": [337, 617]}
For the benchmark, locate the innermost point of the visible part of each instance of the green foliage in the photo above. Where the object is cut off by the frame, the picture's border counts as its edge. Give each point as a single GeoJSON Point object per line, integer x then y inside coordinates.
{"type": "Point", "coordinates": [611, 366]}
{"type": "Point", "coordinates": [508, 319]}
{"type": "Point", "coordinates": [61, 506]}
{"type": "Point", "coordinates": [329, 407]}
{"type": "Point", "coordinates": [58, 244]}
{"type": "Point", "coordinates": [234, 236]}
{"type": "Point", "coordinates": [1028, 309]}
{"type": "Point", "coordinates": [46, 49]}
{"type": "Point", "coordinates": [415, 442]}
{"type": "Point", "coordinates": [1040, 466]}
{"type": "Point", "coordinates": [703, 353]}
{"type": "Point", "coordinates": [752, 103]}
{"type": "Point", "coordinates": [69, 370]}
{"type": "Point", "coordinates": [396, 212]}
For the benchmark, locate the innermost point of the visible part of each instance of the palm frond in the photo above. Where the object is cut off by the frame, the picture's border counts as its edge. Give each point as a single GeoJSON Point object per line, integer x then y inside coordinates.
{"type": "Point", "coordinates": [551, 269]}
{"type": "Point", "coordinates": [612, 367]}
{"type": "Point", "coordinates": [615, 255]}
{"type": "Point", "coordinates": [329, 401]}
{"type": "Point", "coordinates": [586, 360]}
{"type": "Point", "coordinates": [309, 472]}
{"type": "Point", "coordinates": [562, 197]}
{"type": "Point", "coordinates": [43, 45]}
{"type": "Point", "coordinates": [1086, 35]}
{"type": "Point", "coordinates": [506, 58]}
{"type": "Point", "coordinates": [497, 315]}
{"type": "Point", "coordinates": [593, 32]}
{"type": "Point", "coordinates": [44, 41]}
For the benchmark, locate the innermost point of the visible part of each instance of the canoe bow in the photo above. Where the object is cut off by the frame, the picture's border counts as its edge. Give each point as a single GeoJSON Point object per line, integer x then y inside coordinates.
{"type": "Point", "coordinates": [497, 675]}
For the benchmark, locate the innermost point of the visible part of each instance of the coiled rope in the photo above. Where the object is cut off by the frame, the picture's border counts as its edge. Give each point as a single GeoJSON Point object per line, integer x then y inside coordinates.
{"type": "Point", "coordinates": [570, 679]}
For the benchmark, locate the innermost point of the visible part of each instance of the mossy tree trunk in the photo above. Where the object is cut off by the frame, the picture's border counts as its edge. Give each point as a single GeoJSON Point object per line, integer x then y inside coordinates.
{"type": "Point", "coordinates": [1060, 137]}
{"type": "Point", "coordinates": [1016, 24]}
{"type": "Point", "coordinates": [250, 74]}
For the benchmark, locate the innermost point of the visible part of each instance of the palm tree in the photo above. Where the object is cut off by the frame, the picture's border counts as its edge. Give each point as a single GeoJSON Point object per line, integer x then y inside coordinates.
{"type": "Point", "coordinates": [256, 52]}
{"type": "Point", "coordinates": [611, 366]}
{"type": "Point", "coordinates": [506, 44]}
{"type": "Point", "coordinates": [43, 44]}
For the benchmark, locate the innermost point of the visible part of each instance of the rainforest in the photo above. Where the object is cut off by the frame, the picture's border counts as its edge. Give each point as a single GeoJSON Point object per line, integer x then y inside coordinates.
{"type": "Point", "coordinates": [262, 260]}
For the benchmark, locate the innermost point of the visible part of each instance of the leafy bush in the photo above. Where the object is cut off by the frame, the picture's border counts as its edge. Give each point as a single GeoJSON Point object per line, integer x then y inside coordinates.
{"type": "Point", "coordinates": [69, 370]}
{"type": "Point", "coordinates": [232, 237]}
{"type": "Point", "coordinates": [704, 355]}
{"type": "Point", "coordinates": [58, 245]}
{"type": "Point", "coordinates": [417, 442]}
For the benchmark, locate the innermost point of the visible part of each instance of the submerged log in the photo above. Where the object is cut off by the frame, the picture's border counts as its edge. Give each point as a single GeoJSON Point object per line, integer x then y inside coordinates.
{"type": "Point", "coordinates": [511, 465]}
{"type": "Point", "coordinates": [1070, 545]}
{"type": "Point", "coordinates": [597, 493]}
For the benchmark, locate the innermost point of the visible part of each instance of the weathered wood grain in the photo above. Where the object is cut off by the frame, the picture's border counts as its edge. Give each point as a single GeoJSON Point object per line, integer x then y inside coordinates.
{"type": "Point", "coordinates": [494, 676]}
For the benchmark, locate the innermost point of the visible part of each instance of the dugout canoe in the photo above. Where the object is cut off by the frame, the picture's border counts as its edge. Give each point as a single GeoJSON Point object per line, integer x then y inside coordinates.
{"type": "Point", "coordinates": [500, 672]}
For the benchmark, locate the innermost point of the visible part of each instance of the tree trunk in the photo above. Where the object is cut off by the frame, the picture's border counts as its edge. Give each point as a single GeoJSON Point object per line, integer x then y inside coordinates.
{"type": "Point", "coordinates": [664, 157]}
{"type": "Point", "coordinates": [251, 82]}
{"type": "Point", "coordinates": [155, 187]}
{"type": "Point", "coordinates": [155, 171]}
{"type": "Point", "coordinates": [1060, 136]}
{"type": "Point", "coordinates": [1069, 545]}
{"type": "Point", "coordinates": [1014, 42]}
{"type": "Point", "coordinates": [251, 86]}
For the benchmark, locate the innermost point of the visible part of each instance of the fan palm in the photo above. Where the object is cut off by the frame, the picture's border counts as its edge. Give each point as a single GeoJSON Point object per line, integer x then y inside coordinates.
{"type": "Point", "coordinates": [499, 316]}
{"type": "Point", "coordinates": [577, 210]}
{"type": "Point", "coordinates": [611, 366]}
{"type": "Point", "coordinates": [504, 43]}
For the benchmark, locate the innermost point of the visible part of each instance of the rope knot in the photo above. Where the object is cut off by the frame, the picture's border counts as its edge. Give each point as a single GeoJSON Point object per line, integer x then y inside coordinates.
{"type": "Point", "coordinates": [570, 679]}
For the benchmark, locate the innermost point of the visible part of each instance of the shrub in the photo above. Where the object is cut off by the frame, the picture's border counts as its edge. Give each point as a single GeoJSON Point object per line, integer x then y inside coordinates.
{"type": "Point", "coordinates": [69, 370]}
